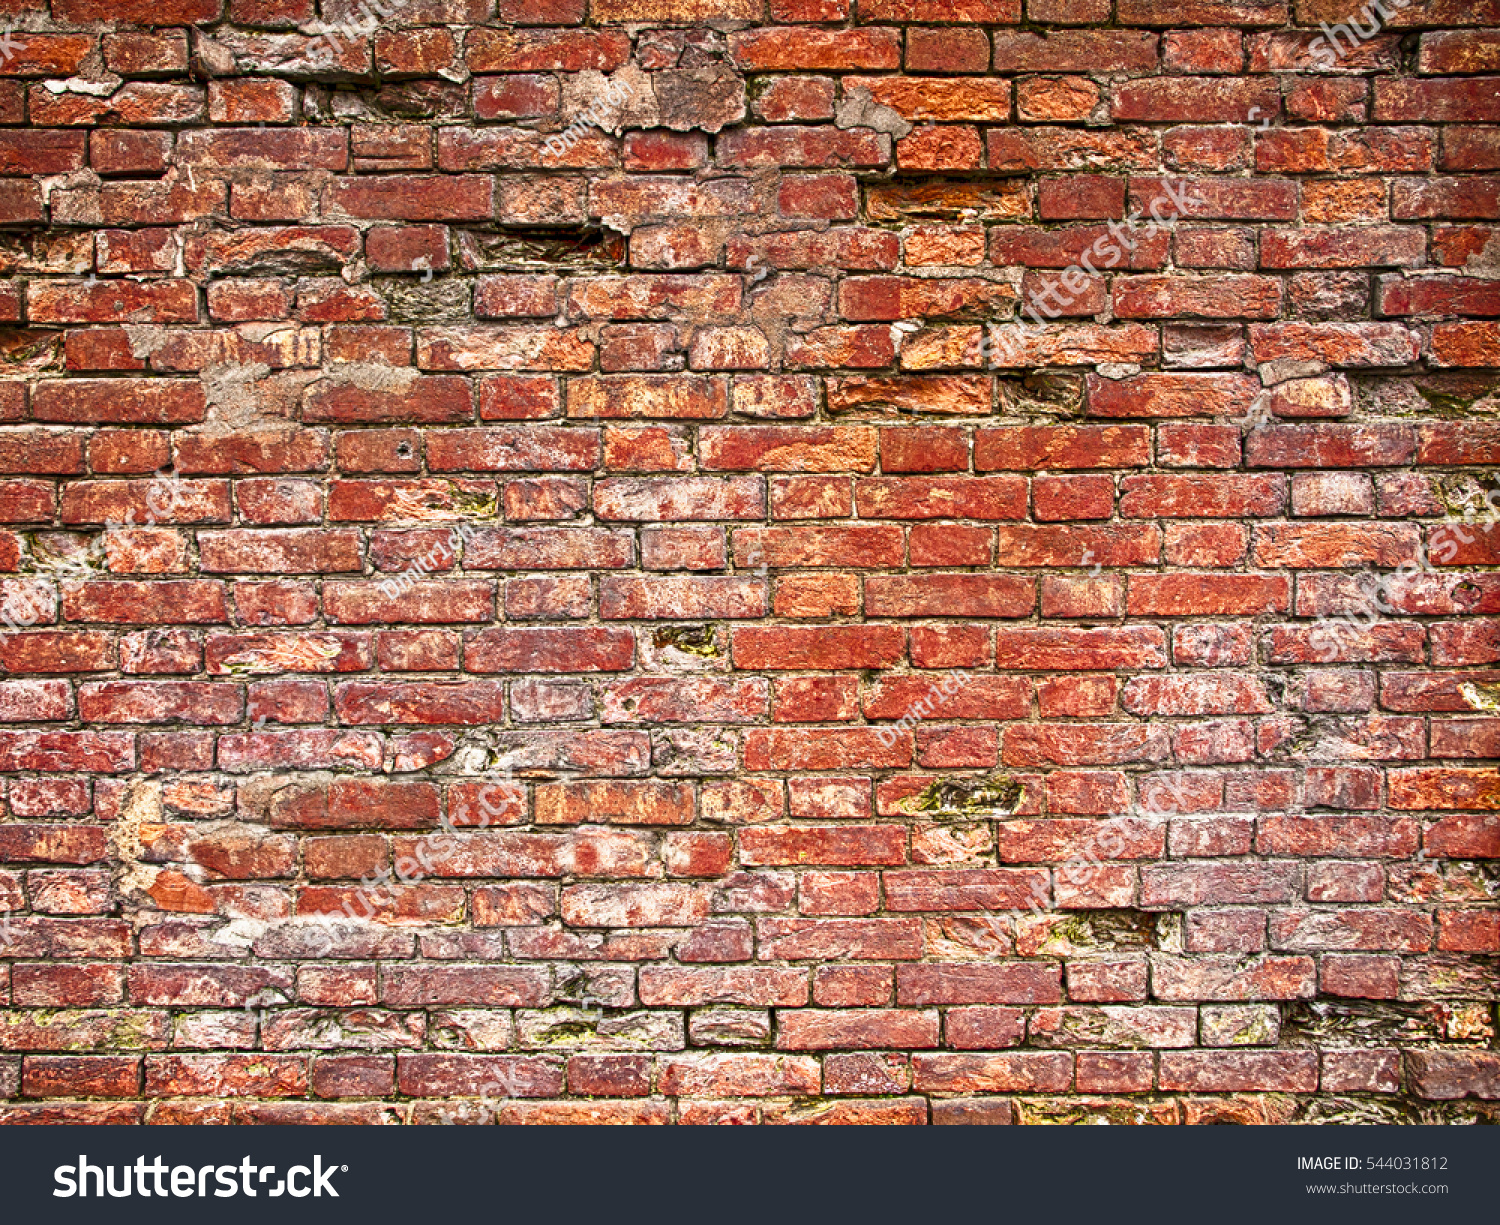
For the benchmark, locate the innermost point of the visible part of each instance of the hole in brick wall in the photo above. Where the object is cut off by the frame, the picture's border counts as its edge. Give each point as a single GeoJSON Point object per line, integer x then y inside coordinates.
{"type": "Point", "coordinates": [1458, 393]}
{"type": "Point", "coordinates": [950, 200]}
{"type": "Point", "coordinates": [1052, 394]}
{"type": "Point", "coordinates": [1111, 929]}
{"type": "Point", "coordinates": [695, 639]}
{"type": "Point", "coordinates": [409, 100]}
{"type": "Point", "coordinates": [30, 348]}
{"type": "Point", "coordinates": [957, 797]}
{"type": "Point", "coordinates": [426, 303]}
{"type": "Point", "coordinates": [1371, 1021]}
{"type": "Point", "coordinates": [231, 249]}
{"type": "Point", "coordinates": [537, 247]}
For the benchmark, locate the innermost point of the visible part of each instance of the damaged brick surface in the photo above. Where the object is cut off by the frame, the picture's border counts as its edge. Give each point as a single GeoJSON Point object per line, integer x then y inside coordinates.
{"type": "Point", "coordinates": [749, 561]}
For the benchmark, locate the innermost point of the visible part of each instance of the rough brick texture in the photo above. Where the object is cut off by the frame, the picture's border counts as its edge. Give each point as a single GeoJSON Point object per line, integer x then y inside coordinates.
{"type": "Point", "coordinates": [701, 562]}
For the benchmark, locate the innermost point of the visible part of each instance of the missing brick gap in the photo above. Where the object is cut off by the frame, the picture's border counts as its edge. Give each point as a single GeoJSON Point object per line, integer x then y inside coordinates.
{"type": "Point", "coordinates": [543, 247]}
{"type": "Point", "coordinates": [965, 201]}
{"type": "Point", "coordinates": [694, 639]}
{"type": "Point", "coordinates": [1111, 930]}
{"type": "Point", "coordinates": [994, 795]}
{"type": "Point", "coordinates": [1485, 697]}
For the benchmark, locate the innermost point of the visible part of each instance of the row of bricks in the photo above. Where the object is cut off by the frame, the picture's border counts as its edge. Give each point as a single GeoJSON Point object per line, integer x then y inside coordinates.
{"type": "Point", "coordinates": [806, 190]}
{"type": "Point", "coordinates": [677, 249]}
{"type": "Point", "coordinates": [747, 700]}
{"type": "Point", "coordinates": [1235, 967]}
{"type": "Point", "coordinates": [851, 897]}
{"type": "Point", "coordinates": [624, 752]}
{"type": "Point", "coordinates": [666, 281]}
{"type": "Point", "coordinates": [1434, 1074]}
{"type": "Point", "coordinates": [1239, 1109]}
{"type": "Point", "coordinates": [1107, 979]}
{"type": "Point", "coordinates": [219, 855]}
{"type": "Point", "coordinates": [911, 449]}
{"type": "Point", "coordinates": [522, 94]}
{"type": "Point", "coordinates": [346, 804]}
{"type": "Point", "coordinates": [407, 806]}
{"type": "Point", "coordinates": [1438, 982]}
{"type": "Point", "coordinates": [377, 392]}
{"type": "Point", "coordinates": [797, 597]}
{"type": "Point", "coordinates": [655, 346]}
{"type": "Point", "coordinates": [468, 194]}
{"type": "Point", "coordinates": [931, 453]}
{"type": "Point", "coordinates": [968, 994]}
{"type": "Point", "coordinates": [564, 649]}
{"type": "Point", "coordinates": [522, 649]}
{"type": "Point", "coordinates": [1229, 798]}
{"type": "Point", "coordinates": [335, 143]}
{"type": "Point", "coordinates": [716, 297]}
{"type": "Point", "coordinates": [1220, 48]}
{"type": "Point", "coordinates": [408, 600]}
{"type": "Point", "coordinates": [665, 255]}
{"type": "Point", "coordinates": [857, 1014]}
{"type": "Point", "coordinates": [308, 155]}
{"type": "Point", "coordinates": [988, 700]}
{"type": "Point", "coordinates": [1235, 1109]}
{"type": "Point", "coordinates": [1336, 110]}
{"type": "Point", "coordinates": [603, 13]}
{"type": "Point", "coordinates": [141, 518]}
{"type": "Point", "coordinates": [666, 699]}
{"type": "Point", "coordinates": [616, 751]}
{"type": "Point", "coordinates": [619, 751]}
{"type": "Point", "coordinates": [237, 854]}
{"type": "Point", "coordinates": [1272, 546]}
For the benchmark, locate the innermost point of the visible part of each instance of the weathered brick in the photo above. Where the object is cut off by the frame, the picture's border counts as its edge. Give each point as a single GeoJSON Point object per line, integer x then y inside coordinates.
{"type": "Point", "coordinates": [795, 643]}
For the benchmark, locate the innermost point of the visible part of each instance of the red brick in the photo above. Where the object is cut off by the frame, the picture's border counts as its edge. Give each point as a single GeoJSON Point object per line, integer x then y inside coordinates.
{"type": "Point", "coordinates": [852, 845]}
{"type": "Point", "coordinates": [1073, 50]}
{"type": "Point", "coordinates": [818, 1029]}
{"type": "Point", "coordinates": [1029, 447]}
{"type": "Point", "coordinates": [1014, 1072]}
{"type": "Point", "coordinates": [1360, 977]}
{"type": "Point", "coordinates": [774, 385]}
{"type": "Point", "coordinates": [941, 497]}
{"type": "Point", "coordinates": [969, 595]}
{"type": "Point", "coordinates": [1446, 1075]}
{"type": "Point", "coordinates": [792, 49]}
{"type": "Point", "coordinates": [401, 197]}
{"type": "Point", "coordinates": [1239, 1071]}
{"type": "Point", "coordinates": [1196, 100]}
{"type": "Point", "coordinates": [1464, 99]}
{"type": "Point", "coordinates": [81, 1076]}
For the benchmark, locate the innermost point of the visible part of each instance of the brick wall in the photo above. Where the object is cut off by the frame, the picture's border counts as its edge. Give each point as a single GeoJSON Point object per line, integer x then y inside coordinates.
{"type": "Point", "coordinates": [708, 560]}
